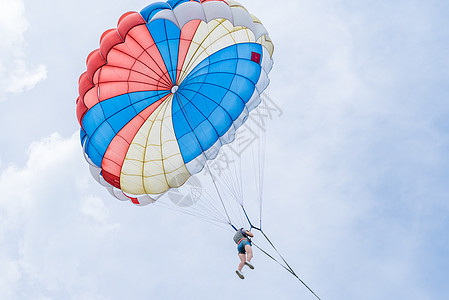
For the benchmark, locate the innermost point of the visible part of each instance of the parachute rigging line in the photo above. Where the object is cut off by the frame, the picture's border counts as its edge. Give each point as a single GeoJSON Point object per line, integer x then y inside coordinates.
{"type": "Point", "coordinates": [218, 192]}
{"type": "Point", "coordinates": [286, 266]}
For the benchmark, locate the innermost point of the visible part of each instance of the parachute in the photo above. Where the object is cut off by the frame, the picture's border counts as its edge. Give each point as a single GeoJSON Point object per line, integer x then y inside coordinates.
{"type": "Point", "coordinates": [166, 90]}
{"type": "Point", "coordinates": [172, 111]}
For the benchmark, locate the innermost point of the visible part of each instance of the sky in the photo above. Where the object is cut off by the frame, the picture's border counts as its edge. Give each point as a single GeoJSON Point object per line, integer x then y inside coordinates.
{"type": "Point", "coordinates": [356, 170]}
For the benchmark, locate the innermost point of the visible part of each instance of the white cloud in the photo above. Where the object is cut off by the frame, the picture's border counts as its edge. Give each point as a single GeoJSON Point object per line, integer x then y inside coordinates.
{"type": "Point", "coordinates": [9, 278]}
{"type": "Point", "coordinates": [44, 217]}
{"type": "Point", "coordinates": [96, 211]}
{"type": "Point", "coordinates": [16, 74]}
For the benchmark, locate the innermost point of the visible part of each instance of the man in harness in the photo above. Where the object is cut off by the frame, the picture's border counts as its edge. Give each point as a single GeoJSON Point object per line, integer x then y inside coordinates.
{"type": "Point", "coordinates": [243, 240]}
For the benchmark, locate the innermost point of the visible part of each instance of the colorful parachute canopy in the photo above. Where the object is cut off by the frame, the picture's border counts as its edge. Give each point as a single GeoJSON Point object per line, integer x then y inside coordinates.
{"type": "Point", "coordinates": [166, 89]}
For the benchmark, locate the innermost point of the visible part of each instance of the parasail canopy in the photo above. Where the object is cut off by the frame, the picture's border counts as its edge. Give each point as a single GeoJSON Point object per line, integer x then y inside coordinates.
{"type": "Point", "coordinates": [166, 90]}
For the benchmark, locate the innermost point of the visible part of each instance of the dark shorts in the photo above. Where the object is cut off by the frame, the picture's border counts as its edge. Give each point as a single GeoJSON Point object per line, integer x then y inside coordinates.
{"type": "Point", "coordinates": [241, 246]}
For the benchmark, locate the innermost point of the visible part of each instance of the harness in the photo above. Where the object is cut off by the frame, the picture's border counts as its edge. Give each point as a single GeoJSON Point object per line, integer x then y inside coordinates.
{"type": "Point", "coordinates": [242, 239]}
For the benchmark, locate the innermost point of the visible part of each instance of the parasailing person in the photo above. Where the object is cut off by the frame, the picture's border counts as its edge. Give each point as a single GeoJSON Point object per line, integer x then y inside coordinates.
{"type": "Point", "coordinates": [243, 240]}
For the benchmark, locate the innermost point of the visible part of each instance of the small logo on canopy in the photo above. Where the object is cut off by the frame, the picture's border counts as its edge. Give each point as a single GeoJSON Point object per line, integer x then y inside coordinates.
{"type": "Point", "coordinates": [255, 57]}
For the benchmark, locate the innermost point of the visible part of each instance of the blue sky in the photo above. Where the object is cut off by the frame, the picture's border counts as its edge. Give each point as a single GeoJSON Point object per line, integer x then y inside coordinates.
{"type": "Point", "coordinates": [360, 211]}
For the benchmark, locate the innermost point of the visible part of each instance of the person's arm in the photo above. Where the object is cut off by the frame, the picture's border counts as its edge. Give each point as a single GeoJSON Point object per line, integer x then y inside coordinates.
{"type": "Point", "coordinates": [249, 233]}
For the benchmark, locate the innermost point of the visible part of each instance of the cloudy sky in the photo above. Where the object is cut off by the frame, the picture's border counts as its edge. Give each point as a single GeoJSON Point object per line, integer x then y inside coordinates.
{"type": "Point", "coordinates": [357, 165]}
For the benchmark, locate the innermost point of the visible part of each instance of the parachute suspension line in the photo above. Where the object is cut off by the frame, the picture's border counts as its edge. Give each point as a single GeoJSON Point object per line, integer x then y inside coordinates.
{"type": "Point", "coordinates": [211, 220]}
{"type": "Point", "coordinates": [213, 207]}
{"type": "Point", "coordinates": [218, 191]}
{"type": "Point", "coordinates": [256, 128]}
{"type": "Point", "coordinates": [249, 221]}
{"type": "Point", "coordinates": [286, 266]}
{"type": "Point", "coordinates": [236, 177]}
{"type": "Point", "coordinates": [257, 162]}
{"type": "Point", "coordinates": [217, 181]}
{"type": "Point", "coordinates": [229, 175]}
{"type": "Point", "coordinates": [240, 181]}
{"type": "Point", "coordinates": [262, 149]}
{"type": "Point", "coordinates": [227, 181]}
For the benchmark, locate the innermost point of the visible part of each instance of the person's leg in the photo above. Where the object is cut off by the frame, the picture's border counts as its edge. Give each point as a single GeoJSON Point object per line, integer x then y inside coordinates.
{"type": "Point", "coordinates": [242, 261]}
{"type": "Point", "coordinates": [249, 255]}
{"type": "Point", "coordinates": [249, 252]}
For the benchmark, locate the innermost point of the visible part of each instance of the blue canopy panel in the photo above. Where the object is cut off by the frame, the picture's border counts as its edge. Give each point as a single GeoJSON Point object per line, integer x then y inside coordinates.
{"type": "Point", "coordinates": [149, 11]}
{"type": "Point", "coordinates": [166, 36]}
{"type": "Point", "coordinates": [83, 136]}
{"type": "Point", "coordinates": [213, 96]}
{"type": "Point", "coordinates": [104, 120]}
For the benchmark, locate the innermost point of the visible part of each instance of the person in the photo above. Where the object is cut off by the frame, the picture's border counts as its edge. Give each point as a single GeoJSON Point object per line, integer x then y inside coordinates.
{"type": "Point", "coordinates": [243, 240]}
